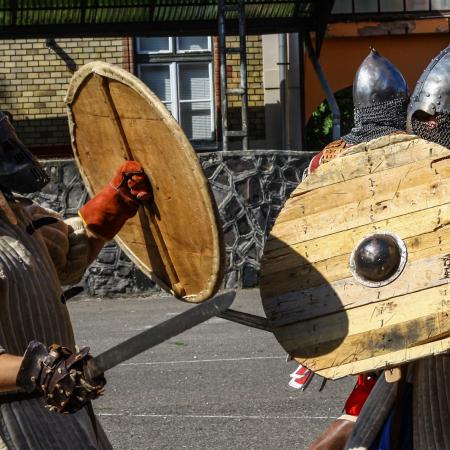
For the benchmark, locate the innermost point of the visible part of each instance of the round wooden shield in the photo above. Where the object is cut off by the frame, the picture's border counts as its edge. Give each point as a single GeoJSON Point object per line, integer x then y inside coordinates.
{"type": "Point", "coordinates": [326, 310]}
{"type": "Point", "coordinates": [176, 240]}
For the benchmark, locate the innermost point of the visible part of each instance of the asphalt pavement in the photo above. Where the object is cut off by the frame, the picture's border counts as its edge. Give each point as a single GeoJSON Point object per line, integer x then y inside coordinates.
{"type": "Point", "coordinates": [217, 386]}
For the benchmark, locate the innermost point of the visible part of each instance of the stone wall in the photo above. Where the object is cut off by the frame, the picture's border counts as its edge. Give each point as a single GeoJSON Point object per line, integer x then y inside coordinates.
{"type": "Point", "coordinates": [249, 187]}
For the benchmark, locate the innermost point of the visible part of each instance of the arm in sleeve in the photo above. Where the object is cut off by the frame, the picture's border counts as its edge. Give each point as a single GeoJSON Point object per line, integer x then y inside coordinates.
{"type": "Point", "coordinates": [70, 247]}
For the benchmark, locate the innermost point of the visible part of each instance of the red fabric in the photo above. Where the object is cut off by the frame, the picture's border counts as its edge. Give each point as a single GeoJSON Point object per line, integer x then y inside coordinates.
{"type": "Point", "coordinates": [359, 395]}
{"type": "Point", "coordinates": [315, 162]}
{"type": "Point", "coordinates": [107, 212]}
{"type": "Point", "coordinates": [301, 377]}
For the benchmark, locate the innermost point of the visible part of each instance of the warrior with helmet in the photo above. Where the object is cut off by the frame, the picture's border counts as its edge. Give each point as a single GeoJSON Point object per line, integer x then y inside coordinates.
{"type": "Point", "coordinates": [380, 96]}
{"type": "Point", "coordinates": [414, 411]}
{"type": "Point", "coordinates": [39, 362]}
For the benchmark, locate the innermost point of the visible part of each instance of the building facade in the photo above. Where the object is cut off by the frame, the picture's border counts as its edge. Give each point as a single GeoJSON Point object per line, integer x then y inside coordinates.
{"type": "Point", "coordinates": [408, 32]}
{"type": "Point", "coordinates": [250, 186]}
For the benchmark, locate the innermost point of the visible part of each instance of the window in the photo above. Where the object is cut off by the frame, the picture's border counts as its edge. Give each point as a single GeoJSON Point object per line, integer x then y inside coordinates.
{"type": "Point", "coordinates": [386, 6]}
{"type": "Point", "coordinates": [179, 71]}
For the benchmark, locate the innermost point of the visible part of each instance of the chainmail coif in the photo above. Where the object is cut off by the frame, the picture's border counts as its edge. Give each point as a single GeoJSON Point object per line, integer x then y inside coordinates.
{"type": "Point", "coordinates": [439, 134]}
{"type": "Point", "coordinates": [377, 120]}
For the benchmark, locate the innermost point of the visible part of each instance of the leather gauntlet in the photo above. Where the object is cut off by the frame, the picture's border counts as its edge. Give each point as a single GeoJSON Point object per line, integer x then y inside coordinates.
{"type": "Point", "coordinates": [60, 376]}
{"type": "Point", "coordinates": [107, 212]}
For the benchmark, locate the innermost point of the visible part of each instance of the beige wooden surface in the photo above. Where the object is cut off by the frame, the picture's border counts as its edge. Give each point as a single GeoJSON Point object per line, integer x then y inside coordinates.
{"type": "Point", "coordinates": [176, 240]}
{"type": "Point", "coordinates": [321, 314]}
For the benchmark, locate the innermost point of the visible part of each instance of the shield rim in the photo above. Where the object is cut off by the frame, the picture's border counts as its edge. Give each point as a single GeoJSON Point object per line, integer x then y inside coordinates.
{"type": "Point", "coordinates": [121, 75]}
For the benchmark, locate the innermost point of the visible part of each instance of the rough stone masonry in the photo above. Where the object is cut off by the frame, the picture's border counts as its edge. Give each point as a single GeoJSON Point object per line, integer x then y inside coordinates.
{"type": "Point", "coordinates": [249, 187]}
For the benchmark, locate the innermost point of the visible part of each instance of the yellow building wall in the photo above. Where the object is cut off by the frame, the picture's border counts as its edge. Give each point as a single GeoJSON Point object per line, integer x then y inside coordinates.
{"type": "Point", "coordinates": [410, 45]}
{"type": "Point", "coordinates": [34, 78]}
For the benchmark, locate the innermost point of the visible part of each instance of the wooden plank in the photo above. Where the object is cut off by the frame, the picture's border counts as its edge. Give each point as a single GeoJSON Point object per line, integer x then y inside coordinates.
{"type": "Point", "coordinates": [348, 293]}
{"type": "Point", "coordinates": [364, 332]}
{"type": "Point", "coordinates": [279, 256]}
{"type": "Point", "coordinates": [406, 184]}
{"type": "Point", "coordinates": [367, 317]}
{"type": "Point", "coordinates": [300, 274]}
{"type": "Point", "coordinates": [374, 200]}
{"type": "Point", "coordinates": [376, 342]}
{"type": "Point", "coordinates": [364, 160]}
{"type": "Point", "coordinates": [385, 361]}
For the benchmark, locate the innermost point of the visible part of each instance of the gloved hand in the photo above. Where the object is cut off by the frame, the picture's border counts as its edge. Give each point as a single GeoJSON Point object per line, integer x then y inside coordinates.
{"type": "Point", "coordinates": [60, 376]}
{"type": "Point", "coordinates": [107, 212]}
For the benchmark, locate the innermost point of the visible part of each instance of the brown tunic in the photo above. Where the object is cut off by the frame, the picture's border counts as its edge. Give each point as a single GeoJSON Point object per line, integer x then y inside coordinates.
{"type": "Point", "coordinates": [31, 308]}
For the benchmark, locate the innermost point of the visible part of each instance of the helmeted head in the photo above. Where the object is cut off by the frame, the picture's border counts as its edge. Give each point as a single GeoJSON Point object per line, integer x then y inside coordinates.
{"type": "Point", "coordinates": [380, 97]}
{"type": "Point", "coordinates": [19, 169]}
{"type": "Point", "coordinates": [429, 108]}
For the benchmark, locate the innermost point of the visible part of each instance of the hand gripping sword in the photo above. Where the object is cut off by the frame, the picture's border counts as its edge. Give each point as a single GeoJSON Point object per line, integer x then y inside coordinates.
{"type": "Point", "coordinates": [159, 333]}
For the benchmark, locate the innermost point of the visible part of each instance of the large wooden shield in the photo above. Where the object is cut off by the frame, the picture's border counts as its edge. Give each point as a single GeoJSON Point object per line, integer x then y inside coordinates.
{"type": "Point", "coordinates": [176, 241]}
{"type": "Point", "coordinates": [323, 312]}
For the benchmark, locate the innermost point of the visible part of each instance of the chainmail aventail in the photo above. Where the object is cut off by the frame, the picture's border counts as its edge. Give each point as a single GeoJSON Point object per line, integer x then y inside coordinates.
{"type": "Point", "coordinates": [439, 134]}
{"type": "Point", "coordinates": [377, 120]}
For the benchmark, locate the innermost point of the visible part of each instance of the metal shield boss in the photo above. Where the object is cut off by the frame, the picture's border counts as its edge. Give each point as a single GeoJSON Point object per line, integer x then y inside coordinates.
{"type": "Point", "coordinates": [355, 272]}
{"type": "Point", "coordinates": [176, 240]}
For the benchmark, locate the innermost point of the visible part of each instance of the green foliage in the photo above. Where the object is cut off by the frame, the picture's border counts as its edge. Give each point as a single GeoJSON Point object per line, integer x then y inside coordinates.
{"type": "Point", "coordinates": [319, 129]}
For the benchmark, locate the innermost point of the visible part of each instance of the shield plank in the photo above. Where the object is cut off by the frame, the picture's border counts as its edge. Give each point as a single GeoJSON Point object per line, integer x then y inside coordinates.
{"type": "Point", "coordinates": [176, 240]}
{"type": "Point", "coordinates": [355, 272]}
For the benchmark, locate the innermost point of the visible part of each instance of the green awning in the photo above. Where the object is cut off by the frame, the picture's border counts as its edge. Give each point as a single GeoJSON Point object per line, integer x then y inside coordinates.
{"type": "Point", "coordinates": [58, 18]}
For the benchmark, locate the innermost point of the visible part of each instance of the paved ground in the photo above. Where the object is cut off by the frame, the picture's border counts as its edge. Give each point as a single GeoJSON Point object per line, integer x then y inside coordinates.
{"type": "Point", "coordinates": [218, 386]}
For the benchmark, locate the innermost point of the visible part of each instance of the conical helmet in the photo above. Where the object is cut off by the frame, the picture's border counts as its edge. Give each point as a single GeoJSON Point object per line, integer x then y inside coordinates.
{"type": "Point", "coordinates": [432, 92]}
{"type": "Point", "coordinates": [378, 80]}
{"type": "Point", "coordinates": [380, 97]}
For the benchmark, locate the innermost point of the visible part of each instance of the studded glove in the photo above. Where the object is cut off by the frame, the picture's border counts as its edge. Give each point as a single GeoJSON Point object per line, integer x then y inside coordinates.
{"type": "Point", "coordinates": [60, 375]}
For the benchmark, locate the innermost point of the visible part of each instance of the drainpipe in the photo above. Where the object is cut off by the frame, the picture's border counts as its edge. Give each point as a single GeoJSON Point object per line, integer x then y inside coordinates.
{"type": "Point", "coordinates": [326, 87]}
{"type": "Point", "coordinates": [282, 73]}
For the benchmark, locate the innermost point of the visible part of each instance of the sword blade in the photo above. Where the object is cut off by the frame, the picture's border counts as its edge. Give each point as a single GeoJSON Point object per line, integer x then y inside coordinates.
{"type": "Point", "coordinates": [159, 333]}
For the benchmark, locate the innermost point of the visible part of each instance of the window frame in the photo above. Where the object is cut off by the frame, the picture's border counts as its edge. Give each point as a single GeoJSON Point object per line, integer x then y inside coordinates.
{"type": "Point", "coordinates": [351, 9]}
{"type": "Point", "coordinates": [174, 59]}
{"type": "Point", "coordinates": [190, 52]}
{"type": "Point", "coordinates": [139, 51]}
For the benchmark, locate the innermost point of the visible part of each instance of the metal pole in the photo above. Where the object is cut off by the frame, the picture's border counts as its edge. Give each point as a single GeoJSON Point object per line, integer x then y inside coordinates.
{"type": "Point", "coordinates": [243, 74]}
{"type": "Point", "coordinates": [301, 87]}
{"type": "Point", "coordinates": [326, 87]}
{"type": "Point", "coordinates": [282, 72]}
{"type": "Point", "coordinates": [223, 76]}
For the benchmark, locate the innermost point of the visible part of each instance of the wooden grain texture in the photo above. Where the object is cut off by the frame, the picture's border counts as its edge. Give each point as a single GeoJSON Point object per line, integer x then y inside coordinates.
{"type": "Point", "coordinates": [177, 239]}
{"type": "Point", "coordinates": [321, 314]}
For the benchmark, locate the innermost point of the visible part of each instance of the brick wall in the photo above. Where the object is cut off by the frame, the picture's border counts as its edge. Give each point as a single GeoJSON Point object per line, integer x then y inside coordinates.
{"type": "Point", "coordinates": [34, 75]}
{"type": "Point", "coordinates": [254, 83]}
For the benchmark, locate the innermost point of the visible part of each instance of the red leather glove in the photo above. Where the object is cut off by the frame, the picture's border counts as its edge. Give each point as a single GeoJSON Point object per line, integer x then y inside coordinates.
{"type": "Point", "coordinates": [359, 395]}
{"type": "Point", "coordinates": [105, 214]}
